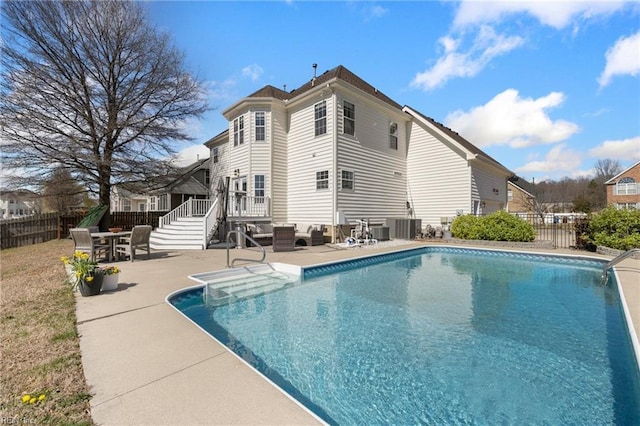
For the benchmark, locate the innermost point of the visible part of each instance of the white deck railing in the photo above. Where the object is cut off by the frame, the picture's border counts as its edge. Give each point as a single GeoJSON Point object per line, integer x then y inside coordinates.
{"type": "Point", "coordinates": [248, 207]}
{"type": "Point", "coordinates": [209, 223]}
{"type": "Point", "coordinates": [190, 208]}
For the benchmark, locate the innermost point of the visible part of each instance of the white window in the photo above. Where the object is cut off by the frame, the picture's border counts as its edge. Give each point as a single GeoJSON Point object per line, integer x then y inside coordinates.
{"type": "Point", "coordinates": [322, 179]}
{"type": "Point", "coordinates": [163, 203]}
{"type": "Point", "coordinates": [152, 204]}
{"type": "Point", "coordinates": [347, 180]}
{"type": "Point", "coordinates": [348, 118]}
{"type": "Point", "coordinates": [215, 154]}
{"type": "Point", "coordinates": [509, 194]}
{"type": "Point", "coordinates": [626, 186]}
{"type": "Point", "coordinates": [126, 205]}
{"type": "Point", "coordinates": [260, 125]}
{"type": "Point", "coordinates": [238, 131]}
{"type": "Point", "coordinates": [321, 118]}
{"type": "Point", "coordinates": [258, 188]}
{"type": "Point", "coordinates": [142, 206]}
{"type": "Point", "coordinates": [393, 135]}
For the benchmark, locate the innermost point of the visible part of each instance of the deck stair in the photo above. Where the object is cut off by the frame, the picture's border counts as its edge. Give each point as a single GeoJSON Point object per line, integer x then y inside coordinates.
{"type": "Point", "coordinates": [184, 233]}
{"type": "Point", "coordinates": [236, 284]}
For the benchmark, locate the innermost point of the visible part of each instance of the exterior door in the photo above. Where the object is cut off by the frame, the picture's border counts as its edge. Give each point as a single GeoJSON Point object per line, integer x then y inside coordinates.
{"type": "Point", "coordinates": [240, 195]}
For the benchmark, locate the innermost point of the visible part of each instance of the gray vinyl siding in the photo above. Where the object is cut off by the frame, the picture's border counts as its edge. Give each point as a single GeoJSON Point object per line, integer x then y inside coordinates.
{"type": "Point", "coordinates": [485, 182]}
{"type": "Point", "coordinates": [260, 159]}
{"type": "Point", "coordinates": [308, 154]}
{"type": "Point", "coordinates": [379, 172]}
{"type": "Point", "coordinates": [279, 165]}
{"type": "Point", "coordinates": [239, 156]}
{"type": "Point", "coordinates": [439, 177]}
{"type": "Point", "coordinates": [219, 169]}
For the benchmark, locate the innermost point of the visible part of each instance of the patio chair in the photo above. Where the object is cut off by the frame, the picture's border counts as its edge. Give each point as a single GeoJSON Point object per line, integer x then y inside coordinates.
{"type": "Point", "coordinates": [284, 238]}
{"type": "Point", "coordinates": [83, 242]}
{"type": "Point", "coordinates": [139, 240]}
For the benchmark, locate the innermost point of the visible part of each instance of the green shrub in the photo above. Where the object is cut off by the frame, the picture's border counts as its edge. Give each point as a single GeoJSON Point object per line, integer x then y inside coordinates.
{"type": "Point", "coordinates": [616, 229]}
{"type": "Point", "coordinates": [498, 226]}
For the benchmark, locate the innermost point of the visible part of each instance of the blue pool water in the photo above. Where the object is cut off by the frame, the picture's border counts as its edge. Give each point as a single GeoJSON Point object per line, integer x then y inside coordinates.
{"type": "Point", "coordinates": [441, 336]}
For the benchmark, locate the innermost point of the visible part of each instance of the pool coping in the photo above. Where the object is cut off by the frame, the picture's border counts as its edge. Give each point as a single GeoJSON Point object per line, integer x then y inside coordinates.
{"type": "Point", "coordinates": [146, 365]}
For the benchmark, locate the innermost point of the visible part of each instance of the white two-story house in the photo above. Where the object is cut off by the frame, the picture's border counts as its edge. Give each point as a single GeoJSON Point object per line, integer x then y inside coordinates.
{"type": "Point", "coordinates": [337, 149]}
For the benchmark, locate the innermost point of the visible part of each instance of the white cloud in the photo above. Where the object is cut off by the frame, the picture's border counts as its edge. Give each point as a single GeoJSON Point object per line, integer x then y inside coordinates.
{"type": "Point", "coordinates": [374, 12]}
{"type": "Point", "coordinates": [556, 14]}
{"type": "Point", "coordinates": [623, 58]}
{"type": "Point", "coordinates": [253, 71]}
{"type": "Point", "coordinates": [508, 119]}
{"type": "Point", "coordinates": [191, 154]}
{"type": "Point", "coordinates": [487, 45]}
{"type": "Point", "coordinates": [624, 150]}
{"type": "Point", "coordinates": [559, 161]}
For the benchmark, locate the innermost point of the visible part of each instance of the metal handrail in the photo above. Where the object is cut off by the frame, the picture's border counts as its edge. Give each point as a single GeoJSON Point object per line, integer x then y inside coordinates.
{"type": "Point", "coordinates": [238, 233]}
{"type": "Point", "coordinates": [619, 258]}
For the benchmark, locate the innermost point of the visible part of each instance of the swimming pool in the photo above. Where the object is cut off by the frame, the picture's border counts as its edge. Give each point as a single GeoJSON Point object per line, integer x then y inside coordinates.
{"type": "Point", "coordinates": [440, 336]}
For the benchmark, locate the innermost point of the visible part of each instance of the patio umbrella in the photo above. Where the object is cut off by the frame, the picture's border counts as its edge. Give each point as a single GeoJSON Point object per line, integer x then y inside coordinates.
{"type": "Point", "coordinates": [221, 211]}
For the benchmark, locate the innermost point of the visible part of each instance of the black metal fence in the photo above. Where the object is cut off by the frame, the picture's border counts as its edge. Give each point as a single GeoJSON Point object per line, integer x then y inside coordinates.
{"type": "Point", "coordinates": [563, 230]}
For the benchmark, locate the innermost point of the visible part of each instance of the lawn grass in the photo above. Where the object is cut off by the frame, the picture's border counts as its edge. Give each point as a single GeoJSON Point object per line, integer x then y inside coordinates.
{"type": "Point", "coordinates": [40, 344]}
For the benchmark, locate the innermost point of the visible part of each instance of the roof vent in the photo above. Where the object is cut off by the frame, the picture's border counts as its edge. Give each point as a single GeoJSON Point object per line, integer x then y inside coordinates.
{"type": "Point", "coordinates": [313, 80]}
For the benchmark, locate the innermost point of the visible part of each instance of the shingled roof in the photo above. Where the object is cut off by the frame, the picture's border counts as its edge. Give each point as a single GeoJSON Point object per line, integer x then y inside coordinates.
{"type": "Point", "coordinates": [456, 137]}
{"type": "Point", "coordinates": [340, 72]}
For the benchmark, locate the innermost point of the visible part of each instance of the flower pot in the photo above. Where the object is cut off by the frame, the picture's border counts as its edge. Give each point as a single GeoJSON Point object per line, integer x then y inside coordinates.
{"type": "Point", "coordinates": [110, 282]}
{"type": "Point", "coordinates": [91, 288]}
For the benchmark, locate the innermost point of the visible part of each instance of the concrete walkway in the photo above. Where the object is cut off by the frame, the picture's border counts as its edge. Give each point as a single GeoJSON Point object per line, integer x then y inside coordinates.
{"type": "Point", "coordinates": [146, 364]}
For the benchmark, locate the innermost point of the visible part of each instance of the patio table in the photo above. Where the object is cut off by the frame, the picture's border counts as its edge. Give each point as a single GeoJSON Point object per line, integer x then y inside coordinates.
{"type": "Point", "coordinates": [112, 237]}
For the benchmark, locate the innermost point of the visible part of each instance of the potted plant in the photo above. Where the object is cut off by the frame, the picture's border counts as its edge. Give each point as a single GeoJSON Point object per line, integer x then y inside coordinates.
{"type": "Point", "coordinates": [84, 273]}
{"type": "Point", "coordinates": [110, 280]}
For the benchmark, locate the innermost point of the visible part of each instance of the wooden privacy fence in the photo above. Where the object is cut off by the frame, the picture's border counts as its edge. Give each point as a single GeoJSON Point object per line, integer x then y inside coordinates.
{"type": "Point", "coordinates": [51, 226]}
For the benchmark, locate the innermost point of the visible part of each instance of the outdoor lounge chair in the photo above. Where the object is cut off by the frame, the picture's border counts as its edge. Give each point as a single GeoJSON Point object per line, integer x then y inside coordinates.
{"type": "Point", "coordinates": [83, 242]}
{"type": "Point", "coordinates": [284, 238]}
{"type": "Point", "coordinates": [139, 240]}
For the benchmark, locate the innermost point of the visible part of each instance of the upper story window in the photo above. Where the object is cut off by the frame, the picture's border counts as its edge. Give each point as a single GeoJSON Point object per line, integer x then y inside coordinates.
{"type": "Point", "coordinates": [258, 188]}
{"type": "Point", "coordinates": [238, 131]}
{"type": "Point", "coordinates": [349, 118]}
{"type": "Point", "coordinates": [626, 186]}
{"type": "Point", "coordinates": [215, 155]}
{"type": "Point", "coordinates": [347, 179]}
{"type": "Point", "coordinates": [260, 125]}
{"type": "Point", "coordinates": [321, 118]}
{"type": "Point", "coordinates": [393, 135]}
{"type": "Point", "coordinates": [322, 179]}
{"type": "Point", "coordinates": [207, 177]}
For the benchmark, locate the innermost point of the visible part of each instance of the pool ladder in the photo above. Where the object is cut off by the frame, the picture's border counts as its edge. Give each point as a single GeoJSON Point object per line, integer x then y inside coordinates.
{"type": "Point", "coordinates": [619, 258]}
{"type": "Point", "coordinates": [238, 234]}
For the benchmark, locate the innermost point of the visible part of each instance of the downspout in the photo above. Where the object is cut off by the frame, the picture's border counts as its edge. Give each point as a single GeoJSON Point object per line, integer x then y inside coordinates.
{"type": "Point", "coordinates": [334, 168]}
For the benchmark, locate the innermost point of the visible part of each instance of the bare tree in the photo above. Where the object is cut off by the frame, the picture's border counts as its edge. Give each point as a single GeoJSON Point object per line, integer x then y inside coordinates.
{"type": "Point", "coordinates": [61, 192]}
{"type": "Point", "coordinates": [93, 87]}
{"type": "Point", "coordinates": [605, 169]}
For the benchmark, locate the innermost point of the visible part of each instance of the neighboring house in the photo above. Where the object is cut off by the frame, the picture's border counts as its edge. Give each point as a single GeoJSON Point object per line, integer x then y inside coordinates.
{"type": "Point", "coordinates": [129, 197]}
{"type": "Point", "coordinates": [164, 195]}
{"type": "Point", "coordinates": [623, 190]}
{"type": "Point", "coordinates": [18, 204]}
{"type": "Point", "coordinates": [337, 150]}
{"type": "Point", "coordinates": [193, 181]}
{"type": "Point", "coordinates": [519, 200]}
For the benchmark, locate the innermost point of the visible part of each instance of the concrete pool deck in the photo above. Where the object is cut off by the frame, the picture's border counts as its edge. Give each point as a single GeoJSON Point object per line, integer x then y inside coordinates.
{"type": "Point", "coordinates": [146, 364]}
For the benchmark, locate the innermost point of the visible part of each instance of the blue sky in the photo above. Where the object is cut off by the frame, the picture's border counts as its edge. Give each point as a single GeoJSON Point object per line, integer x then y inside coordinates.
{"type": "Point", "coordinates": [546, 88]}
